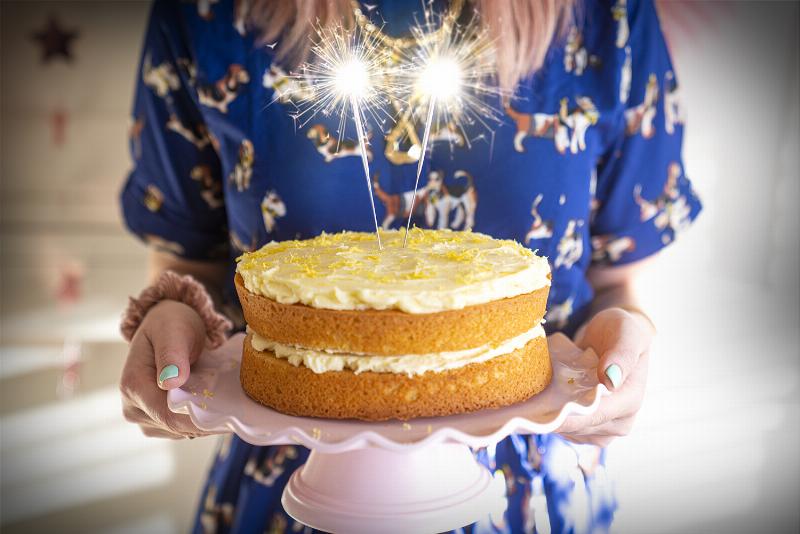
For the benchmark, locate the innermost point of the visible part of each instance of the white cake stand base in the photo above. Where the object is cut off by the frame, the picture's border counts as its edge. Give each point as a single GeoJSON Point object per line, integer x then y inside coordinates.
{"type": "Point", "coordinates": [435, 489]}
{"type": "Point", "coordinates": [363, 477]}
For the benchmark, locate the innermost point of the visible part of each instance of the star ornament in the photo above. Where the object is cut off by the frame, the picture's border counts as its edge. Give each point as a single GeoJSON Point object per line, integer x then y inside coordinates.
{"type": "Point", "coordinates": [55, 41]}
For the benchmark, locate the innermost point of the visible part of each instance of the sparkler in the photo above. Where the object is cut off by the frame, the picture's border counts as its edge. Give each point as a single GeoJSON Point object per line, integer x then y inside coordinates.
{"type": "Point", "coordinates": [348, 71]}
{"type": "Point", "coordinates": [357, 73]}
{"type": "Point", "coordinates": [455, 73]}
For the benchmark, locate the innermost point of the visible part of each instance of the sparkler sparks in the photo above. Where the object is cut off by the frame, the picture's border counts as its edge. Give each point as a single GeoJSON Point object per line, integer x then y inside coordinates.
{"type": "Point", "coordinates": [348, 71]}
{"type": "Point", "coordinates": [453, 71]}
{"type": "Point", "coordinates": [446, 65]}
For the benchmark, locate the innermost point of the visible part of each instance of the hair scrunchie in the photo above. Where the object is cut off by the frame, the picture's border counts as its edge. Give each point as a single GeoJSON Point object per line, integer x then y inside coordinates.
{"type": "Point", "coordinates": [180, 288]}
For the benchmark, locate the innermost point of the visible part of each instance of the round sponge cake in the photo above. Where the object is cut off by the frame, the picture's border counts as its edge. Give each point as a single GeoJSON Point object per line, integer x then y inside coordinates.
{"type": "Point", "coordinates": [340, 329]}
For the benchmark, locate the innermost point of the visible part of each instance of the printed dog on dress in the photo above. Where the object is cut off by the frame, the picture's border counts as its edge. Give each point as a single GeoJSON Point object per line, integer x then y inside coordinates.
{"type": "Point", "coordinates": [559, 314]}
{"type": "Point", "coordinates": [210, 189]}
{"type": "Point", "coordinates": [272, 207]}
{"type": "Point", "coordinates": [225, 90]}
{"type": "Point", "coordinates": [670, 209]}
{"type": "Point", "coordinates": [332, 148]}
{"type": "Point", "coordinates": [153, 198]}
{"type": "Point", "coordinates": [625, 77]}
{"type": "Point", "coordinates": [243, 171]}
{"type": "Point", "coordinates": [540, 229]}
{"type": "Point", "coordinates": [576, 57]}
{"type": "Point", "coordinates": [579, 121]}
{"type": "Point", "coordinates": [399, 204]}
{"type": "Point", "coordinates": [539, 125]}
{"type": "Point", "coordinates": [198, 135]}
{"type": "Point", "coordinates": [640, 118]}
{"type": "Point", "coordinates": [161, 79]}
{"type": "Point", "coordinates": [204, 9]}
{"type": "Point", "coordinates": [620, 14]}
{"type": "Point", "coordinates": [673, 111]}
{"type": "Point", "coordinates": [649, 209]}
{"type": "Point", "coordinates": [240, 10]}
{"type": "Point", "coordinates": [240, 245]}
{"type": "Point", "coordinates": [189, 69]}
{"type": "Point", "coordinates": [609, 248]}
{"type": "Point", "coordinates": [459, 200]}
{"type": "Point", "coordinates": [557, 126]}
{"type": "Point", "coordinates": [570, 247]}
{"type": "Point", "coordinates": [285, 88]}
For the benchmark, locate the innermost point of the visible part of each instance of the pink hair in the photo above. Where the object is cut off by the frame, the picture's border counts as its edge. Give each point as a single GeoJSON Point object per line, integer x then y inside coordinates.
{"type": "Point", "coordinates": [522, 29]}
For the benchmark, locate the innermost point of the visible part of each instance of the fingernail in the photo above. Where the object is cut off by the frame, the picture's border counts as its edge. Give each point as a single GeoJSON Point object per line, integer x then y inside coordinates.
{"type": "Point", "coordinates": [167, 372]}
{"type": "Point", "coordinates": [614, 373]}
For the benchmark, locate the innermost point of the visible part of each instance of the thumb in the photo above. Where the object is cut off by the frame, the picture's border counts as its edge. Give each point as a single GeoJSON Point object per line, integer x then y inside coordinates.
{"type": "Point", "coordinates": [621, 356]}
{"type": "Point", "coordinates": [178, 336]}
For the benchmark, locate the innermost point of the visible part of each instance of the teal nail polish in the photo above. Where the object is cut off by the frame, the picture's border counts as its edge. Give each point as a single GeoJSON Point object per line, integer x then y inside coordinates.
{"type": "Point", "coordinates": [169, 371]}
{"type": "Point", "coordinates": [614, 373]}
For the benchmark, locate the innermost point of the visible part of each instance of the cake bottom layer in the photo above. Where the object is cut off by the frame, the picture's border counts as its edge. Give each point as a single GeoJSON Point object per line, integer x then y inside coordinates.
{"type": "Point", "coordinates": [498, 382]}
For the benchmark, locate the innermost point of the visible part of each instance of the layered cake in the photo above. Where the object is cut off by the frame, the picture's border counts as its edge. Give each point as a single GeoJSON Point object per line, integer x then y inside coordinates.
{"type": "Point", "coordinates": [339, 329]}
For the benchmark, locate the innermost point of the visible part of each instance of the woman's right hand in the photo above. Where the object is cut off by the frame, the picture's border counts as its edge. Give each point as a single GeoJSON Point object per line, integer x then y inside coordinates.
{"type": "Point", "coordinates": [168, 341]}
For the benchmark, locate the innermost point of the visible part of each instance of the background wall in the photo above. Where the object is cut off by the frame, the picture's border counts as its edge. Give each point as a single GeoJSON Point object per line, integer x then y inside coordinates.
{"type": "Point", "coordinates": [715, 448]}
{"type": "Point", "coordinates": [68, 461]}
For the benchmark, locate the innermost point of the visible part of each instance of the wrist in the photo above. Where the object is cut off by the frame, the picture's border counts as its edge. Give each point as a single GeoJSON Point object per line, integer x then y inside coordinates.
{"type": "Point", "coordinates": [170, 308]}
{"type": "Point", "coordinates": [169, 289]}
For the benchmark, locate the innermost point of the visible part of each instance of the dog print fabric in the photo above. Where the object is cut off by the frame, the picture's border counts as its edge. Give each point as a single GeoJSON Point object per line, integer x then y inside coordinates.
{"type": "Point", "coordinates": [585, 168]}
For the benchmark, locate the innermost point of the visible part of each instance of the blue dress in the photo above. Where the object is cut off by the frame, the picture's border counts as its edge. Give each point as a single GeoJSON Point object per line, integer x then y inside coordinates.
{"type": "Point", "coordinates": [585, 167]}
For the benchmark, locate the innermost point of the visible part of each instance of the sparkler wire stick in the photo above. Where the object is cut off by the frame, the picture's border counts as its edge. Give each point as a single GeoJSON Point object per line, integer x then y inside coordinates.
{"type": "Point", "coordinates": [349, 69]}
{"type": "Point", "coordinates": [425, 135]}
{"type": "Point", "coordinates": [357, 117]}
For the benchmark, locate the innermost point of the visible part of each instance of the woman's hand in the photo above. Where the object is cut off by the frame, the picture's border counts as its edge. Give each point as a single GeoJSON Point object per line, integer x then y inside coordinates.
{"type": "Point", "coordinates": [168, 341]}
{"type": "Point", "coordinates": [622, 341]}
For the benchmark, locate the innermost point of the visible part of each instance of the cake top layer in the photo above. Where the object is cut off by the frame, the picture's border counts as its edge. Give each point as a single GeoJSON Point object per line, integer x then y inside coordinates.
{"type": "Point", "coordinates": [439, 270]}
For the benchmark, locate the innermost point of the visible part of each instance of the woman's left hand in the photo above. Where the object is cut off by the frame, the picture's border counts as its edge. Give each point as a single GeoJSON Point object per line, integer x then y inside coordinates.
{"type": "Point", "coordinates": [622, 341]}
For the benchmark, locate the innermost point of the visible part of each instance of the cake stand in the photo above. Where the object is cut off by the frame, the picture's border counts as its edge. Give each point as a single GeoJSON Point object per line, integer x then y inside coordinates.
{"type": "Point", "coordinates": [364, 477]}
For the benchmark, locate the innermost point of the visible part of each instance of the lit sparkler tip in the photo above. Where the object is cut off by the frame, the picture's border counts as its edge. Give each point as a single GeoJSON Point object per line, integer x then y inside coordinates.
{"type": "Point", "coordinates": [352, 78]}
{"type": "Point", "coordinates": [441, 78]}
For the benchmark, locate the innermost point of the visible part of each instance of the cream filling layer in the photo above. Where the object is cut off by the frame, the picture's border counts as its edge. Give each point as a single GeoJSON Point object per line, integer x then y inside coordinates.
{"type": "Point", "coordinates": [411, 364]}
{"type": "Point", "coordinates": [439, 270]}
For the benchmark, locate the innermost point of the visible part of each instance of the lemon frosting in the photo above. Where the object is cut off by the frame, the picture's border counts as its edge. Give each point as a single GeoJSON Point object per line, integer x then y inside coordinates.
{"type": "Point", "coordinates": [320, 361]}
{"type": "Point", "coordinates": [439, 270]}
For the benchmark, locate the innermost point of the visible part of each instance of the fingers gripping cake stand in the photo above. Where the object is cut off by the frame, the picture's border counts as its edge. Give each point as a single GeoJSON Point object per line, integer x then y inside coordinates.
{"type": "Point", "coordinates": [418, 476]}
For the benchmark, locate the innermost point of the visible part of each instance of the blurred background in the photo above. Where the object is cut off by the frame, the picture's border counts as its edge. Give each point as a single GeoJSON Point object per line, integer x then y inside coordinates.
{"type": "Point", "coordinates": [716, 445]}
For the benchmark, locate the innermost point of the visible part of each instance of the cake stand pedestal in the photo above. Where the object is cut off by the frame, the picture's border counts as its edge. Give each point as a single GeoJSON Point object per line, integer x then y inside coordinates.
{"type": "Point", "coordinates": [434, 489]}
{"type": "Point", "coordinates": [363, 477]}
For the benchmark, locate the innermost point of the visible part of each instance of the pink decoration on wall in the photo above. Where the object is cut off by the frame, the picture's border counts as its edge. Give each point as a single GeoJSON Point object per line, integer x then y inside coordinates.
{"type": "Point", "coordinates": [69, 282]}
{"type": "Point", "coordinates": [58, 126]}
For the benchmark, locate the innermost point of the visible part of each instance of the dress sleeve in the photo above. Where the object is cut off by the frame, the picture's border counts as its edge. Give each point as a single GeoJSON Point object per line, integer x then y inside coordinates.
{"type": "Point", "coordinates": [643, 200]}
{"type": "Point", "coordinates": [173, 198]}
